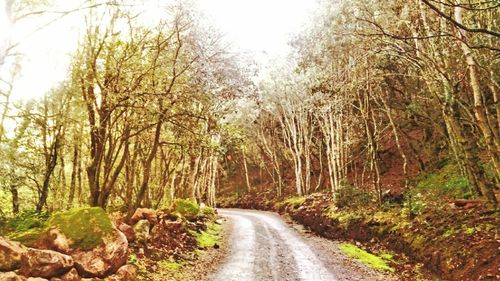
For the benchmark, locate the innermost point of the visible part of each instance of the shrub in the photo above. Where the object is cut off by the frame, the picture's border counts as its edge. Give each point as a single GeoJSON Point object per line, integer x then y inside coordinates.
{"type": "Point", "coordinates": [24, 221]}
{"type": "Point", "coordinates": [414, 203]}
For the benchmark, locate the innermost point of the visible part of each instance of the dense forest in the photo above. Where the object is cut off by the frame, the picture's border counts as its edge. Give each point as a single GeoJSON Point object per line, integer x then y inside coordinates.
{"type": "Point", "coordinates": [379, 103]}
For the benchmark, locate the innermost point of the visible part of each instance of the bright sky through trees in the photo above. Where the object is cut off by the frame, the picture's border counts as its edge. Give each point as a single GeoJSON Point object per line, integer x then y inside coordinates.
{"type": "Point", "coordinates": [260, 28]}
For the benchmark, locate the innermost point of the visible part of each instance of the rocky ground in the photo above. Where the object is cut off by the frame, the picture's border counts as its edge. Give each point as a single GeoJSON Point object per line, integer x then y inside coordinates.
{"type": "Point", "coordinates": [88, 244]}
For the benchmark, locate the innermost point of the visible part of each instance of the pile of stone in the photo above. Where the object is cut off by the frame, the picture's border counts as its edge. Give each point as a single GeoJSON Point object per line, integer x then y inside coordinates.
{"type": "Point", "coordinates": [53, 257]}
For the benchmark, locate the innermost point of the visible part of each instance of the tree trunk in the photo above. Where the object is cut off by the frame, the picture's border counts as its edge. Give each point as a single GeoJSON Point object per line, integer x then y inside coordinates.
{"type": "Point", "coordinates": [15, 199]}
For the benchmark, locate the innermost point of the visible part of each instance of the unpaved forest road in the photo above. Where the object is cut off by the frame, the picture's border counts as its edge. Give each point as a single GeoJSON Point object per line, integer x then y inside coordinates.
{"type": "Point", "coordinates": [264, 248]}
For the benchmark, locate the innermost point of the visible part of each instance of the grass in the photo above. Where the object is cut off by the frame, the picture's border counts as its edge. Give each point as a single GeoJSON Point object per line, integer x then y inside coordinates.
{"type": "Point", "coordinates": [210, 237]}
{"type": "Point", "coordinates": [375, 262]}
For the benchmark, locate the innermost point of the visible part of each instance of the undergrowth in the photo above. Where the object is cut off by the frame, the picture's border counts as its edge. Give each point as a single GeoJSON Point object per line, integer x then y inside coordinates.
{"type": "Point", "coordinates": [375, 262]}
{"type": "Point", "coordinates": [295, 201]}
{"type": "Point", "coordinates": [447, 181]}
{"type": "Point", "coordinates": [209, 238]}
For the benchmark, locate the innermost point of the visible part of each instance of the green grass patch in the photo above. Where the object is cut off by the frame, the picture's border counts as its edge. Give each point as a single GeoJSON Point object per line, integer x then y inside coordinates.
{"type": "Point", "coordinates": [210, 237]}
{"type": "Point", "coordinates": [387, 256]}
{"type": "Point", "coordinates": [363, 256]}
{"type": "Point", "coordinates": [295, 201]}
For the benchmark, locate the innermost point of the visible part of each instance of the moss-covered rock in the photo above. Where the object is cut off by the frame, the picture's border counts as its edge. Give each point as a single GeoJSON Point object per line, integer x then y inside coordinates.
{"type": "Point", "coordinates": [187, 208]}
{"type": "Point", "coordinates": [86, 234]}
{"type": "Point", "coordinates": [141, 229]}
{"type": "Point", "coordinates": [84, 227]}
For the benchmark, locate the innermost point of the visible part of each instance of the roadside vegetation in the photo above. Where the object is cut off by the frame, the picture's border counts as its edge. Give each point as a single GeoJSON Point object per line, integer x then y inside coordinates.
{"type": "Point", "coordinates": [382, 127]}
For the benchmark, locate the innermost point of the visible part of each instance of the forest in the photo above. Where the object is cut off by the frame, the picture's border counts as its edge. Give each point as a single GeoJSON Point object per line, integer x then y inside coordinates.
{"type": "Point", "coordinates": [382, 123]}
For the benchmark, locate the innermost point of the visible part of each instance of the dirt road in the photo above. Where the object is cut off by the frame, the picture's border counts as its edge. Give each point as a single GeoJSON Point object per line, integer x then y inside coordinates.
{"type": "Point", "coordinates": [265, 248]}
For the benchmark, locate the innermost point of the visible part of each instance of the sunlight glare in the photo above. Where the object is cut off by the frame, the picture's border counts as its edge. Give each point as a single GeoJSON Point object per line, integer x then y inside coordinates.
{"type": "Point", "coordinates": [258, 28]}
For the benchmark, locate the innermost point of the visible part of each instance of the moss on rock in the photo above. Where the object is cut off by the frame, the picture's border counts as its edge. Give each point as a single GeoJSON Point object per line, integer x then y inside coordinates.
{"type": "Point", "coordinates": [85, 227]}
{"type": "Point", "coordinates": [187, 208]}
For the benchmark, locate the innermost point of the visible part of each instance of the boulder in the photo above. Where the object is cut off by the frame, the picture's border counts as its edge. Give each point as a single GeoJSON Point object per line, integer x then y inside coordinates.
{"type": "Point", "coordinates": [125, 273]}
{"type": "Point", "coordinates": [103, 260]}
{"type": "Point", "coordinates": [44, 263]}
{"type": "Point", "coordinates": [141, 229]}
{"type": "Point", "coordinates": [10, 254]}
{"type": "Point", "coordinates": [144, 214]}
{"type": "Point", "coordinates": [11, 276]}
{"type": "Point", "coordinates": [86, 234]}
{"type": "Point", "coordinates": [128, 231]}
{"type": "Point", "coordinates": [58, 241]}
{"type": "Point", "coordinates": [71, 275]}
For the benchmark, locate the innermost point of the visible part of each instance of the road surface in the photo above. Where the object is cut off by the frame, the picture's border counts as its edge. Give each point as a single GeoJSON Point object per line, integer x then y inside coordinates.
{"type": "Point", "coordinates": [262, 247]}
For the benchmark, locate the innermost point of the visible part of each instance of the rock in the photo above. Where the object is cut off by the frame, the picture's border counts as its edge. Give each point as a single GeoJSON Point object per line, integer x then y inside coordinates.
{"type": "Point", "coordinates": [10, 254]}
{"type": "Point", "coordinates": [11, 276]}
{"type": "Point", "coordinates": [86, 234]}
{"type": "Point", "coordinates": [144, 214]}
{"type": "Point", "coordinates": [141, 229]}
{"type": "Point", "coordinates": [71, 275]}
{"type": "Point", "coordinates": [103, 260]}
{"type": "Point", "coordinates": [44, 263]}
{"type": "Point", "coordinates": [59, 242]}
{"type": "Point", "coordinates": [128, 231]}
{"type": "Point", "coordinates": [36, 279]}
{"type": "Point", "coordinates": [125, 273]}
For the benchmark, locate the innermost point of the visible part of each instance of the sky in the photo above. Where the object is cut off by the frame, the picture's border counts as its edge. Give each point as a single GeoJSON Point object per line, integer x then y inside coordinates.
{"type": "Point", "coordinates": [259, 28]}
